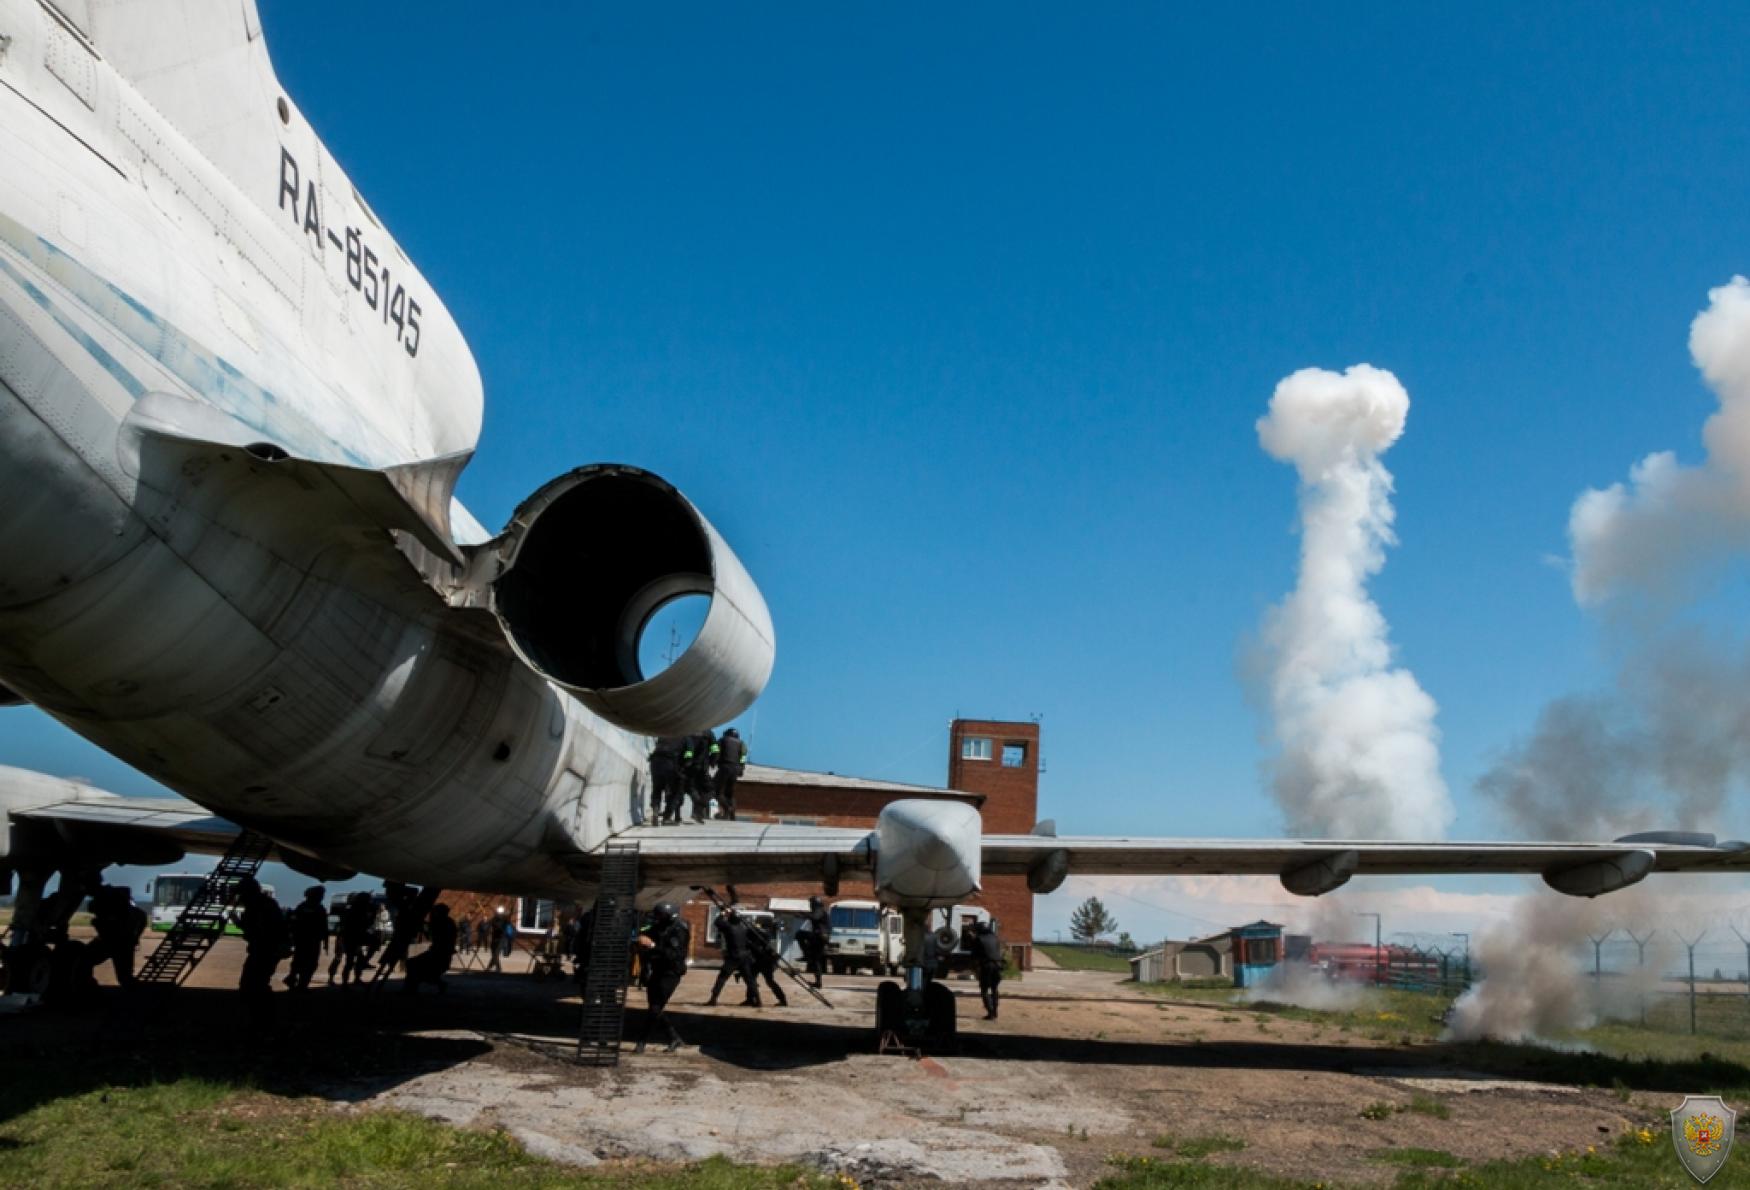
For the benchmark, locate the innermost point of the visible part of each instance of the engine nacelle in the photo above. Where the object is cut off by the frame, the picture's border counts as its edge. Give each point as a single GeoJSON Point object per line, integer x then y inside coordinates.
{"type": "Point", "coordinates": [583, 566]}
{"type": "Point", "coordinates": [929, 854]}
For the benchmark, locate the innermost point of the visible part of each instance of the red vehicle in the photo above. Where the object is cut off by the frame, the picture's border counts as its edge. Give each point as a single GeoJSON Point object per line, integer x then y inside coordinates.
{"type": "Point", "coordinates": [1358, 962]}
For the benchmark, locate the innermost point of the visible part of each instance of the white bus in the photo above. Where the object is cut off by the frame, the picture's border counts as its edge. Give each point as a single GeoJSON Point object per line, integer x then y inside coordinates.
{"type": "Point", "coordinates": [171, 894]}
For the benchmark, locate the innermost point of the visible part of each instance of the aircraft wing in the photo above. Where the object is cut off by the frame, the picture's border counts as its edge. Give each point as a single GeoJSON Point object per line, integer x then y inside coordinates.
{"type": "Point", "coordinates": [751, 853]}
{"type": "Point", "coordinates": [1310, 867]}
{"type": "Point", "coordinates": [142, 830]}
{"type": "Point", "coordinates": [133, 824]}
{"type": "Point", "coordinates": [719, 853]}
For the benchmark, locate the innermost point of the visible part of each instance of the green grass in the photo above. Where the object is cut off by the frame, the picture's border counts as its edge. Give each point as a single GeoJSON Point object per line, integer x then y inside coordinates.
{"type": "Point", "coordinates": [1638, 1160]}
{"type": "Point", "coordinates": [1435, 1158]}
{"type": "Point", "coordinates": [194, 1132]}
{"type": "Point", "coordinates": [1074, 958]}
{"type": "Point", "coordinates": [1427, 1105]}
{"type": "Point", "coordinates": [1626, 1055]}
{"type": "Point", "coordinates": [1146, 1173]}
{"type": "Point", "coordinates": [1199, 1146]}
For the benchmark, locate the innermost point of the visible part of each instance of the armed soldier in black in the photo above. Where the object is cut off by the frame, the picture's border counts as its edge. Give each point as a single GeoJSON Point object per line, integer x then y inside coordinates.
{"type": "Point", "coordinates": [731, 763]}
{"type": "Point", "coordinates": [309, 925]}
{"type": "Point", "coordinates": [814, 936]}
{"type": "Point", "coordinates": [264, 934]}
{"type": "Point", "coordinates": [664, 957]}
{"type": "Point", "coordinates": [987, 952]}
{"type": "Point", "coordinates": [765, 960]}
{"type": "Point", "coordinates": [738, 957]}
{"type": "Point", "coordinates": [665, 778]}
{"type": "Point", "coordinates": [696, 756]}
{"type": "Point", "coordinates": [118, 923]}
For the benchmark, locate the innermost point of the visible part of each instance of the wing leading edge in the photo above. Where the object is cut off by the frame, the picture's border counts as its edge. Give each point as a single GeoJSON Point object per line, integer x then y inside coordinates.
{"type": "Point", "coordinates": [1310, 867]}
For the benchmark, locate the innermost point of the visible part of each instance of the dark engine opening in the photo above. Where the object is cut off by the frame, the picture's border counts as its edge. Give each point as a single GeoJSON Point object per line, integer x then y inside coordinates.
{"type": "Point", "coordinates": [592, 568]}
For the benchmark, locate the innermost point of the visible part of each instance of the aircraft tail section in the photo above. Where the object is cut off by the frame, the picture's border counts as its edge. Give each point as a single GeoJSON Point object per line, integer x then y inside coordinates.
{"type": "Point", "coordinates": [201, 63]}
{"type": "Point", "coordinates": [203, 69]}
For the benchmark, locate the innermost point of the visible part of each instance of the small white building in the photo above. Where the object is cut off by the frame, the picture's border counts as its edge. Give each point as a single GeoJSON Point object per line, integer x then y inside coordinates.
{"type": "Point", "coordinates": [1197, 958]}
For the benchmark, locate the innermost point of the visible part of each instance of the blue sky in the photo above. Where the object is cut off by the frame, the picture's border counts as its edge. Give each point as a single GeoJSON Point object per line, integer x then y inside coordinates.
{"type": "Point", "coordinates": [957, 322]}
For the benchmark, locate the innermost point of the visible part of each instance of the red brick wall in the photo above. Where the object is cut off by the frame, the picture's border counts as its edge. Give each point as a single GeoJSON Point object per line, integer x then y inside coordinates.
{"type": "Point", "coordinates": [1011, 807]}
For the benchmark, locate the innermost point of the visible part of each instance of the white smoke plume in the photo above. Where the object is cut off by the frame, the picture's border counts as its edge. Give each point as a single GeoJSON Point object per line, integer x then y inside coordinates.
{"type": "Point", "coordinates": [1532, 988]}
{"type": "Point", "coordinates": [1670, 745]}
{"type": "Point", "coordinates": [1665, 750]}
{"type": "Point", "coordinates": [1671, 525]}
{"type": "Point", "coordinates": [1537, 982]}
{"type": "Point", "coordinates": [1358, 750]}
{"type": "Point", "coordinates": [1304, 987]}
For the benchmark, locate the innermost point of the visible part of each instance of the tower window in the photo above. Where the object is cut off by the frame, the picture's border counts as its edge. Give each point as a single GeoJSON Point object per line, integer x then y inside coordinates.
{"type": "Point", "coordinates": [1014, 756]}
{"type": "Point", "coordinates": [975, 747]}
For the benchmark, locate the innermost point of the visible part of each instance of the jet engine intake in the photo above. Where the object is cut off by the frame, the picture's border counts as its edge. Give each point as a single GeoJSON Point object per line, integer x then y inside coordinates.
{"type": "Point", "coordinates": [583, 566]}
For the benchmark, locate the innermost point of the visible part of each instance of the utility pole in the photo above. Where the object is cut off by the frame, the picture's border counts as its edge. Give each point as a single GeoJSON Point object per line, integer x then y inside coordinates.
{"type": "Point", "coordinates": [1690, 944]}
{"type": "Point", "coordinates": [1378, 954]}
{"type": "Point", "coordinates": [1746, 942]}
{"type": "Point", "coordinates": [1641, 963]}
{"type": "Point", "coordinates": [1597, 956]}
{"type": "Point", "coordinates": [1466, 938]}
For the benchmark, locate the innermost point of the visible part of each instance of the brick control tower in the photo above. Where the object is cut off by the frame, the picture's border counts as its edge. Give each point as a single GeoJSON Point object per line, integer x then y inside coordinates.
{"type": "Point", "coordinates": [1001, 761]}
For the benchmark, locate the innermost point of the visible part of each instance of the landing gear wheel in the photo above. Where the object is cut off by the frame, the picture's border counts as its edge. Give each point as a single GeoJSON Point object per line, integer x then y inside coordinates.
{"type": "Point", "coordinates": [30, 971]}
{"type": "Point", "coordinates": [922, 1021]}
{"type": "Point", "coordinates": [889, 1009]}
{"type": "Point", "coordinates": [939, 1006]}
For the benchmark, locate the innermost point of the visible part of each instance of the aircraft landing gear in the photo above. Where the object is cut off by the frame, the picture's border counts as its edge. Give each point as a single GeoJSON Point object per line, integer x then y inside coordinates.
{"type": "Point", "coordinates": [920, 1019]}
{"type": "Point", "coordinates": [920, 1014]}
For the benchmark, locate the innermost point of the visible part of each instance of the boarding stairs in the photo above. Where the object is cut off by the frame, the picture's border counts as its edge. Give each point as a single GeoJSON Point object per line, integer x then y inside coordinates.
{"type": "Point", "coordinates": [202, 921]}
{"type": "Point", "coordinates": [610, 958]}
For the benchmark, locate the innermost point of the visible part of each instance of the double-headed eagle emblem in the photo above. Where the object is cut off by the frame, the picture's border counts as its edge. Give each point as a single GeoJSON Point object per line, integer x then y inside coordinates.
{"type": "Point", "coordinates": [1701, 1130]}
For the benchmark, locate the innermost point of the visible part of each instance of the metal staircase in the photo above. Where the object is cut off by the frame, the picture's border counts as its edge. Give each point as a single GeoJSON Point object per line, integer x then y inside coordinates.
{"type": "Point", "coordinates": [202, 921]}
{"type": "Point", "coordinates": [610, 958]}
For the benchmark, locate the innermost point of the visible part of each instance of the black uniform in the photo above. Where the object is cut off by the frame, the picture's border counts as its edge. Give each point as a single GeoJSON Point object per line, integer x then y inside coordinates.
{"type": "Point", "coordinates": [665, 778]}
{"type": "Point", "coordinates": [665, 962]}
{"type": "Point", "coordinates": [987, 952]}
{"type": "Point", "coordinates": [732, 933]}
{"type": "Point", "coordinates": [118, 923]}
{"type": "Point", "coordinates": [696, 771]}
{"type": "Point", "coordinates": [357, 922]}
{"type": "Point", "coordinates": [264, 933]}
{"type": "Point", "coordinates": [813, 938]}
{"type": "Point", "coordinates": [309, 925]}
{"type": "Point", "coordinates": [765, 961]}
{"type": "Point", "coordinates": [429, 965]}
{"type": "Point", "coordinates": [731, 762]}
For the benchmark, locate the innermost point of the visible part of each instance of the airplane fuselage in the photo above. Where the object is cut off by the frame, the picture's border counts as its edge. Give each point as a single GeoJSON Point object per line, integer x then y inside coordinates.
{"type": "Point", "coordinates": [235, 278]}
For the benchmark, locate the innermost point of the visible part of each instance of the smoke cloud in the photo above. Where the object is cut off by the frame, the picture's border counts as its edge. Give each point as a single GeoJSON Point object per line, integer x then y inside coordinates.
{"type": "Point", "coordinates": [1671, 525]}
{"type": "Point", "coordinates": [1670, 743]}
{"type": "Point", "coordinates": [1532, 988]}
{"type": "Point", "coordinates": [1537, 983]}
{"type": "Point", "coordinates": [1664, 750]}
{"type": "Point", "coordinates": [1358, 749]}
{"type": "Point", "coordinates": [1303, 987]}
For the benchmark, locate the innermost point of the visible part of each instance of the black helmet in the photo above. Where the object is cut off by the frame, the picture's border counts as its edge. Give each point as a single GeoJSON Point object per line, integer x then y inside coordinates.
{"type": "Point", "coordinates": [664, 913]}
{"type": "Point", "coordinates": [732, 731]}
{"type": "Point", "coordinates": [815, 903]}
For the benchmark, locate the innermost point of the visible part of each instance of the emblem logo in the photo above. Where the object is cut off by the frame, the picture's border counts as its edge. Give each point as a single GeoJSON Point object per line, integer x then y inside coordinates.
{"type": "Point", "coordinates": [1701, 1130]}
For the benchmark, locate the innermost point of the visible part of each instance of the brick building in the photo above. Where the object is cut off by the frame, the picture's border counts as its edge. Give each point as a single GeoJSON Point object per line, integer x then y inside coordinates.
{"type": "Point", "coordinates": [1000, 761]}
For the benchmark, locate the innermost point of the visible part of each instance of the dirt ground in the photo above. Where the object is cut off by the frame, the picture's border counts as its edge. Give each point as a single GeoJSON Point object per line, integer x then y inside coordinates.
{"type": "Point", "coordinates": [1079, 1068]}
